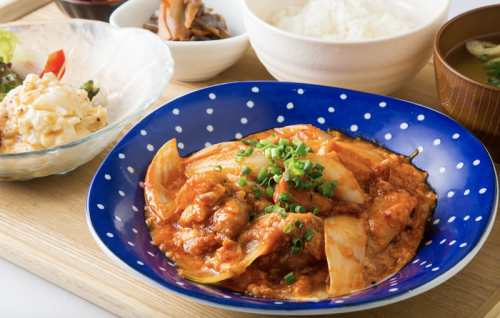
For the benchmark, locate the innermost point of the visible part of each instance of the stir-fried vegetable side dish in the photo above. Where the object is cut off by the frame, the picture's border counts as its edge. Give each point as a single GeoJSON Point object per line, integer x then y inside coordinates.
{"type": "Point", "coordinates": [187, 20]}
{"type": "Point", "coordinates": [291, 213]}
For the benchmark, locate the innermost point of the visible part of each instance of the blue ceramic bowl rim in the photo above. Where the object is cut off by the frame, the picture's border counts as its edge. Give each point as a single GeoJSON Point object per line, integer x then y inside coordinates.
{"type": "Point", "coordinates": [259, 309]}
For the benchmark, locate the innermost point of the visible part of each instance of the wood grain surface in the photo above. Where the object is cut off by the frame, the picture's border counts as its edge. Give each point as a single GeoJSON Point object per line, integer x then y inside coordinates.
{"type": "Point", "coordinates": [14, 9]}
{"type": "Point", "coordinates": [43, 229]}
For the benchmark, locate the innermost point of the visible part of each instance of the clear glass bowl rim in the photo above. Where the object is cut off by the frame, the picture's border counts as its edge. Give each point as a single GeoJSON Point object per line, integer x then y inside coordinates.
{"type": "Point", "coordinates": [117, 125]}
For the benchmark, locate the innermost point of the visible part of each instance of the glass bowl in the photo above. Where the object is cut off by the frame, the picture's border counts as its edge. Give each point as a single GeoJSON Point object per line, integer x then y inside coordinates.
{"type": "Point", "coordinates": [135, 66]}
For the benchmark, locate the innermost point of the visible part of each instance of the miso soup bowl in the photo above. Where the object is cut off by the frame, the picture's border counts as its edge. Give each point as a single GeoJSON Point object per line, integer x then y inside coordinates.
{"type": "Point", "coordinates": [474, 104]}
{"type": "Point", "coordinates": [378, 66]}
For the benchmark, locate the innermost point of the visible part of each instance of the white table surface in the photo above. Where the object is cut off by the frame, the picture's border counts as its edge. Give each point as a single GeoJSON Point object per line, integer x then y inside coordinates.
{"type": "Point", "coordinates": [24, 295]}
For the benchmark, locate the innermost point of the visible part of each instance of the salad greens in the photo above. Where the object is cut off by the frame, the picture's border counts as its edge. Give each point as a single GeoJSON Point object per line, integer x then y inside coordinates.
{"type": "Point", "coordinates": [8, 43]}
{"type": "Point", "coordinates": [8, 80]}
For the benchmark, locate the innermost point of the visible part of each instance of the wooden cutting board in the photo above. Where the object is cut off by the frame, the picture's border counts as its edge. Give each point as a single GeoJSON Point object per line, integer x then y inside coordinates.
{"type": "Point", "coordinates": [43, 229]}
{"type": "Point", "coordinates": [11, 10]}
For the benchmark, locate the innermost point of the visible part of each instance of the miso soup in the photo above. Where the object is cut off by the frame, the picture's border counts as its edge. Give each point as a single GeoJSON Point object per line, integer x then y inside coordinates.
{"type": "Point", "coordinates": [466, 63]}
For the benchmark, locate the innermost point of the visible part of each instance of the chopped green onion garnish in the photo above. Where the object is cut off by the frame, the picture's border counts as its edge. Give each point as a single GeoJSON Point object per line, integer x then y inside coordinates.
{"type": "Point", "coordinates": [258, 216]}
{"type": "Point", "coordinates": [246, 170]}
{"type": "Point", "coordinates": [319, 167]}
{"type": "Point", "coordinates": [281, 148]}
{"type": "Point", "coordinates": [285, 196]}
{"type": "Point", "coordinates": [262, 174]}
{"type": "Point", "coordinates": [289, 187]}
{"type": "Point", "coordinates": [316, 174]}
{"type": "Point", "coordinates": [296, 141]}
{"type": "Point", "coordinates": [242, 181]}
{"type": "Point", "coordinates": [296, 241]}
{"type": "Point", "coordinates": [286, 204]}
{"type": "Point", "coordinates": [249, 151]}
{"type": "Point", "coordinates": [483, 58]}
{"type": "Point", "coordinates": [300, 186]}
{"type": "Point", "coordinates": [276, 170]}
{"type": "Point", "coordinates": [288, 228]}
{"type": "Point", "coordinates": [290, 278]}
{"type": "Point", "coordinates": [252, 216]}
{"type": "Point", "coordinates": [266, 180]}
{"type": "Point", "coordinates": [254, 187]}
{"type": "Point", "coordinates": [295, 156]}
{"type": "Point", "coordinates": [299, 165]}
{"type": "Point", "coordinates": [300, 209]}
{"type": "Point", "coordinates": [297, 180]}
{"type": "Point", "coordinates": [324, 188]}
{"type": "Point", "coordinates": [239, 159]}
{"type": "Point", "coordinates": [301, 149]}
{"type": "Point", "coordinates": [309, 234]}
{"type": "Point", "coordinates": [218, 168]}
{"type": "Point", "coordinates": [254, 143]}
{"type": "Point", "coordinates": [299, 225]}
{"type": "Point", "coordinates": [245, 142]}
{"type": "Point", "coordinates": [272, 135]}
{"type": "Point", "coordinates": [293, 206]}
{"type": "Point", "coordinates": [271, 162]}
{"type": "Point", "coordinates": [266, 141]}
{"type": "Point", "coordinates": [313, 209]}
{"type": "Point", "coordinates": [240, 152]}
{"type": "Point", "coordinates": [269, 209]}
{"type": "Point", "coordinates": [334, 183]}
{"type": "Point", "coordinates": [269, 191]}
{"type": "Point", "coordinates": [284, 142]}
{"type": "Point", "coordinates": [295, 249]}
{"type": "Point", "coordinates": [308, 166]}
{"type": "Point", "coordinates": [258, 145]}
{"type": "Point", "coordinates": [309, 150]}
{"type": "Point", "coordinates": [331, 193]}
{"type": "Point", "coordinates": [287, 156]}
{"type": "Point", "coordinates": [283, 213]}
{"type": "Point", "coordinates": [275, 153]}
{"type": "Point", "coordinates": [308, 185]}
{"type": "Point", "coordinates": [258, 194]}
{"type": "Point", "coordinates": [277, 178]}
{"type": "Point", "coordinates": [289, 149]}
{"type": "Point", "coordinates": [268, 153]}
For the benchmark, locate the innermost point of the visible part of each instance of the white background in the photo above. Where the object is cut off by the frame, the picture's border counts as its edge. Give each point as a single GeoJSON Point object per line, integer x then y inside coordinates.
{"type": "Point", "coordinates": [23, 294]}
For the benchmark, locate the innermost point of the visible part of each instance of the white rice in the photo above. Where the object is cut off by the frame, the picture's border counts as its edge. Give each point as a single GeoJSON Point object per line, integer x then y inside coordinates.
{"type": "Point", "coordinates": [343, 19]}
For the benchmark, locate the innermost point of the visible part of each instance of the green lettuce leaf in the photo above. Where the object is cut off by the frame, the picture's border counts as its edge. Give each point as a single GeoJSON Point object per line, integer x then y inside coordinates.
{"type": "Point", "coordinates": [8, 43]}
{"type": "Point", "coordinates": [8, 80]}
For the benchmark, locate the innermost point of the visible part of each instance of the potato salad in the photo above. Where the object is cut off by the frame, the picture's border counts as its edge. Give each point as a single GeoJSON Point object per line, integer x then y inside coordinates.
{"type": "Point", "coordinates": [44, 113]}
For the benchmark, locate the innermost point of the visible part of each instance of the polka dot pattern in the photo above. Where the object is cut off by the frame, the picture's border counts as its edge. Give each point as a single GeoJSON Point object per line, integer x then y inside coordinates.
{"type": "Point", "coordinates": [402, 127]}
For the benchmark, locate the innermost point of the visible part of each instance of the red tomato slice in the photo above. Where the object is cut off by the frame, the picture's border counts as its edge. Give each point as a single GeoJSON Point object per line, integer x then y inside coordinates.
{"type": "Point", "coordinates": [55, 63]}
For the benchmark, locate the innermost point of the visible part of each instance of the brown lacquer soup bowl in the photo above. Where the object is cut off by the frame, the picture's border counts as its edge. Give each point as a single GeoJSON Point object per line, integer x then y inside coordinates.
{"type": "Point", "coordinates": [473, 104]}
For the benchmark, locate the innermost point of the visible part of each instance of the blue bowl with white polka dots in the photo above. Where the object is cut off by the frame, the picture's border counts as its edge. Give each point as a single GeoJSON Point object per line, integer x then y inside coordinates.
{"type": "Point", "coordinates": [460, 170]}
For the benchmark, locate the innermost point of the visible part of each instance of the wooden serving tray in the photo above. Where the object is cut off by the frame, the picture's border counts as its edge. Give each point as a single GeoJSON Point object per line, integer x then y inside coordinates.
{"type": "Point", "coordinates": [14, 9]}
{"type": "Point", "coordinates": [43, 229]}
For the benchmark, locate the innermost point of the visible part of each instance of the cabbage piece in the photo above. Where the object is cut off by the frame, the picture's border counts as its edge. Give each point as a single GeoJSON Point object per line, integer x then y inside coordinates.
{"type": "Point", "coordinates": [8, 43]}
{"type": "Point", "coordinates": [224, 154]}
{"type": "Point", "coordinates": [25, 61]}
{"type": "Point", "coordinates": [165, 167]}
{"type": "Point", "coordinates": [253, 250]}
{"type": "Point", "coordinates": [345, 242]}
{"type": "Point", "coordinates": [8, 80]}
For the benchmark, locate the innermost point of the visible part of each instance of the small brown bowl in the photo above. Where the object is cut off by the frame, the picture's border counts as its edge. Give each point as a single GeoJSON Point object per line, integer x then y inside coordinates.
{"type": "Point", "coordinates": [91, 10]}
{"type": "Point", "coordinates": [473, 104]}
